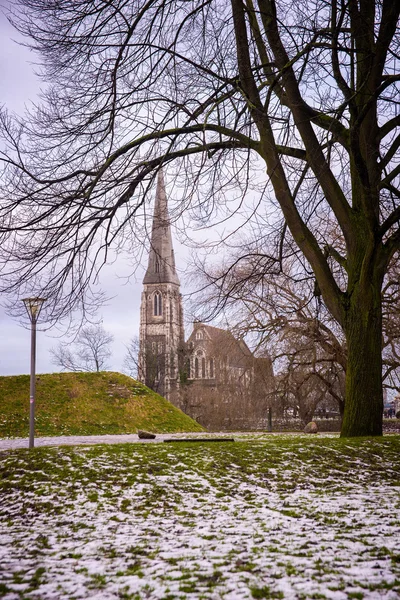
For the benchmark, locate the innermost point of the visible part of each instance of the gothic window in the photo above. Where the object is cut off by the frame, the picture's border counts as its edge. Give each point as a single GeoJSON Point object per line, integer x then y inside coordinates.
{"type": "Point", "coordinates": [157, 265]}
{"type": "Point", "coordinates": [196, 368]}
{"type": "Point", "coordinates": [157, 304]}
{"type": "Point", "coordinates": [211, 368]}
{"type": "Point", "coordinates": [199, 335]}
{"type": "Point", "coordinates": [160, 348]}
{"type": "Point", "coordinates": [203, 368]}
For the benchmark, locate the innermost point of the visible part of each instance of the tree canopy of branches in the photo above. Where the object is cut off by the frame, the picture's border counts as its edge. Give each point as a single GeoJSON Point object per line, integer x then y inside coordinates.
{"type": "Point", "coordinates": [308, 88]}
{"type": "Point", "coordinates": [279, 313]}
{"type": "Point", "coordinates": [90, 351]}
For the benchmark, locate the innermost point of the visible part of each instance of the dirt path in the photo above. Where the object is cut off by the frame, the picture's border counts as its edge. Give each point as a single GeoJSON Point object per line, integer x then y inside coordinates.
{"type": "Point", "coordinates": [77, 440]}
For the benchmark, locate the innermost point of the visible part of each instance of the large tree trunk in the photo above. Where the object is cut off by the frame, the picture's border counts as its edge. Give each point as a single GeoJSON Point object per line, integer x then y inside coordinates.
{"type": "Point", "coordinates": [364, 398]}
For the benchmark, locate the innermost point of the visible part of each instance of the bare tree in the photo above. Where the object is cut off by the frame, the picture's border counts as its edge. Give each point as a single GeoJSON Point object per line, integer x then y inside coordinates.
{"type": "Point", "coordinates": [301, 392]}
{"type": "Point", "coordinates": [306, 90]}
{"type": "Point", "coordinates": [310, 378]}
{"type": "Point", "coordinates": [281, 310]}
{"type": "Point", "coordinates": [279, 313]}
{"type": "Point", "coordinates": [90, 351]}
{"type": "Point", "coordinates": [154, 359]}
{"type": "Point", "coordinates": [131, 359]}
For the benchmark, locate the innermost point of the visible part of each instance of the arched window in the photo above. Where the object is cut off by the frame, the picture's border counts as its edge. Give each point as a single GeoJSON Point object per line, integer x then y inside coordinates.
{"type": "Point", "coordinates": [211, 368]}
{"type": "Point", "coordinates": [196, 368]}
{"type": "Point", "coordinates": [203, 368]}
{"type": "Point", "coordinates": [157, 265]}
{"type": "Point", "coordinates": [157, 304]}
{"type": "Point", "coordinates": [199, 335]}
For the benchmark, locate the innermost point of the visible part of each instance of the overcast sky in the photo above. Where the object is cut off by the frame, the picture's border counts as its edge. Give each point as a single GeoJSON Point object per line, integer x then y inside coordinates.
{"type": "Point", "coordinates": [19, 86]}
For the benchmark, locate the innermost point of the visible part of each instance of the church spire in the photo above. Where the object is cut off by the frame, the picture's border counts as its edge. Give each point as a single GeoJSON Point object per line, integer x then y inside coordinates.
{"type": "Point", "coordinates": [161, 267]}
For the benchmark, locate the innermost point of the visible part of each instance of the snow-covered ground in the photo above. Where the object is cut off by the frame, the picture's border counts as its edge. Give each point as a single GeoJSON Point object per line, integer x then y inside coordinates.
{"type": "Point", "coordinates": [277, 517]}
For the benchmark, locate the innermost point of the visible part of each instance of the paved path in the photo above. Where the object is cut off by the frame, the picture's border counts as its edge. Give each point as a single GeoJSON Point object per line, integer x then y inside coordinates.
{"type": "Point", "coordinates": [77, 440]}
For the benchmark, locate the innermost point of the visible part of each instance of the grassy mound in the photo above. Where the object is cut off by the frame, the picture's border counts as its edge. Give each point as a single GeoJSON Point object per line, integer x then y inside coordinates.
{"type": "Point", "coordinates": [86, 404]}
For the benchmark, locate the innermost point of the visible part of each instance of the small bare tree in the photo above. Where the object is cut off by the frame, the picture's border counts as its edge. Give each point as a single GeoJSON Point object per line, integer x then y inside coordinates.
{"type": "Point", "coordinates": [90, 351]}
{"type": "Point", "coordinates": [153, 374]}
{"type": "Point", "coordinates": [131, 360]}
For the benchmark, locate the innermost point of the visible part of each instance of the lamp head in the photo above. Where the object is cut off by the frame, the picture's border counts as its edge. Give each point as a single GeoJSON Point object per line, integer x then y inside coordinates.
{"type": "Point", "coordinates": [33, 307]}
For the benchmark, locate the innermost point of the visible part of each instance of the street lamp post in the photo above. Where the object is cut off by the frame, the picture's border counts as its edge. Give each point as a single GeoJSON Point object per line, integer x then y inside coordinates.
{"type": "Point", "coordinates": [33, 307]}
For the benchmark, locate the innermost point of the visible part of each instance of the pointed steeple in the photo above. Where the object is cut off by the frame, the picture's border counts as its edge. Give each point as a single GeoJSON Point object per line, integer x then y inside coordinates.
{"type": "Point", "coordinates": [161, 267]}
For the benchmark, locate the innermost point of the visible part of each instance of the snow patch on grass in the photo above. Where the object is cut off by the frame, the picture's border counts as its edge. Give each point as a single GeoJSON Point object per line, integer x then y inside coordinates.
{"type": "Point", "coordinates": [278, 517]}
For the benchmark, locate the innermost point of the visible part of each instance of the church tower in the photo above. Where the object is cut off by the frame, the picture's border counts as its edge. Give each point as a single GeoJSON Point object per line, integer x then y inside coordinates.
{"type": "Point", "coordinates": [161, 315]}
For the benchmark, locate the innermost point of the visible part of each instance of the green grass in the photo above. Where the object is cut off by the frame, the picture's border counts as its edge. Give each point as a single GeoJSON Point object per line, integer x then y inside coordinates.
{"type": "Point", "coordinates": [310, 515]}
{"type": "Point", "coordinates": [87, 404]}
{"type": "Point", "coordinates": [278, 463]}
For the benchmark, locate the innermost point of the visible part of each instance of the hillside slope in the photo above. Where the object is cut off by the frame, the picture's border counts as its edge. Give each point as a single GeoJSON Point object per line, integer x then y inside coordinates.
{"type": "Point", "coordinates": [86, 404]}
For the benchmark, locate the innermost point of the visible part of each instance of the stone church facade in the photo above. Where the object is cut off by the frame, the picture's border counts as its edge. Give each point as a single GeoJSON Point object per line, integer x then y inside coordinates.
{"type": "Point", "coordinates": [161, 316]}
{"type": "Point", "coordinates": [213, 377]}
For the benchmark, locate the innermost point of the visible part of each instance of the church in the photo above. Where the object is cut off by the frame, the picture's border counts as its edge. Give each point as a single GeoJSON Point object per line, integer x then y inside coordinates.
{"type": "Point", "coordinates": [213, 377]}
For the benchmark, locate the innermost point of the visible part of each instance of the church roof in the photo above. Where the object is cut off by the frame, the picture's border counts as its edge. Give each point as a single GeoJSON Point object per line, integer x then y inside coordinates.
{"type": "Point", "coordinates": [225, 344]}
{"type": "Point", "coordinates": [223, 339]}
{"type": "Point", "coordinates": [161, 266]}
